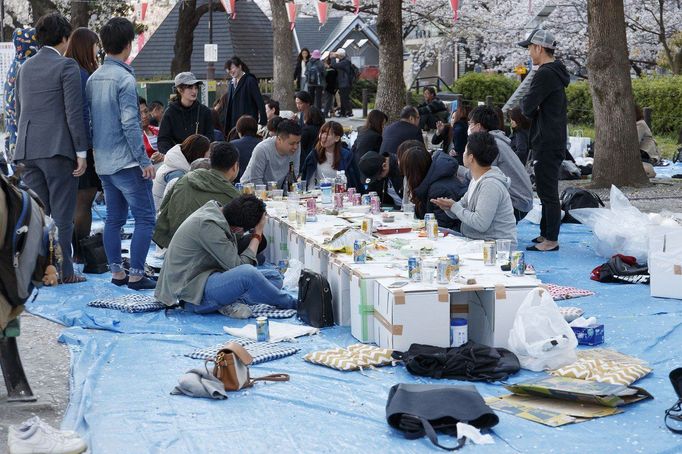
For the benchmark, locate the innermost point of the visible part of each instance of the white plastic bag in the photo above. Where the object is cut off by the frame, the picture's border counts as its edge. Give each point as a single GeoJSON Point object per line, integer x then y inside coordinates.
{"type": "Point", "coordinates": [540, 336]}
{"type": "Point", "coordinates": [292, 274]}
{"type": "Point", "coordinates": [622, 229]}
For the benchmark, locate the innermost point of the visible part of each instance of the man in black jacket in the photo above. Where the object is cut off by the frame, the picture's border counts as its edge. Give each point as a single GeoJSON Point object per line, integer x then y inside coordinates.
{"type": "Point", "coordinates": [344, 70]}
{"type": "Point", "coordinates": [380, 173]}
{"type": "Point", "coordinates": [407, 128]}
{"type": "Point", "coordinates": [431, 110]}
{"type": "Point", "coordinates": [546, 105]}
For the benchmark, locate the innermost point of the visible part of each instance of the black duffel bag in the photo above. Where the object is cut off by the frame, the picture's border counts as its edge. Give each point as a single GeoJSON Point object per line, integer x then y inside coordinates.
{"type": "Point", "coordinates": [314, 300]}
{"type": "Point", "coordinates": [470, 362]}
{"type": "Point", "coordinates": [573, 198]}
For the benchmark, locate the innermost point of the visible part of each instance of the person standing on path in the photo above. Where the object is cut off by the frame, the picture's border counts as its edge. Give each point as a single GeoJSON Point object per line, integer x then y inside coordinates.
{"type": "Point", "coordinates": [120, 157]}
{"type": "Point", "coordinates": [546, 105]}
{"type": "Point", "coordinates": [243, 97]}
{"type": "Point", "coordinates": [344, 70]}
{"type": "Point", "coordinates": [52, 142]}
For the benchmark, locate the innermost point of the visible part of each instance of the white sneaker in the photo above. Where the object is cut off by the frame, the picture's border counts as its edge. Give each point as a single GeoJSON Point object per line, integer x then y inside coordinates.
{"type": "Point", "coordinates": [36, 439]}
{"type": "Point", "coordinates": [26, 425]}
{"type": "Point", "coordinates": [236, 310]}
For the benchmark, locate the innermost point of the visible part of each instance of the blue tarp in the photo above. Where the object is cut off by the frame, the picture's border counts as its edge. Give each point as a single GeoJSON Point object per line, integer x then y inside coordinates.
{"type": "Point", "coordinates": [121, 378]}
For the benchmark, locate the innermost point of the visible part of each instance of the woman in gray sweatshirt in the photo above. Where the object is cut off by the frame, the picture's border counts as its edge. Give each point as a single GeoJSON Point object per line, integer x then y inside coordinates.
{"type": "Point", "coordinates": [485, 210]}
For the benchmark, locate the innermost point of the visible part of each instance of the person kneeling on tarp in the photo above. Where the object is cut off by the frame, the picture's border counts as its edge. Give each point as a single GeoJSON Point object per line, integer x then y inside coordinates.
{"type": "Point", "coordinates": [203, 270]}
{"type": "Point", "coordinates": [486, 209]}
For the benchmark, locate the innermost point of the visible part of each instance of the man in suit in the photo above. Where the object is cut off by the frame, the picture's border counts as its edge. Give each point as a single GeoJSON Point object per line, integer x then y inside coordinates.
{"type": "Point", "coordinates": [51, 139]}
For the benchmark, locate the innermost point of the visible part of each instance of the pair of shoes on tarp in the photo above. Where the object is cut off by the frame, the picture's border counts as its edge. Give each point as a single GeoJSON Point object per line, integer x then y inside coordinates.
{"type": "Point", "coordinates": [36, 436]}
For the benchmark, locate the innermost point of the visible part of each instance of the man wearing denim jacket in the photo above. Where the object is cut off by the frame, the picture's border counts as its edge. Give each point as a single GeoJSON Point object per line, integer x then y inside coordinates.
{"type": "Point", "coordinates": [120, 158]}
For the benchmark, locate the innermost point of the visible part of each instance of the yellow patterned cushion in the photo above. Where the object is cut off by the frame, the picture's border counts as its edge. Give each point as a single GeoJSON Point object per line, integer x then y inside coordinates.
{"type": "Point", "coordinates": [358, 356]}
{"type": "Point", "coordinates": [605, 366]}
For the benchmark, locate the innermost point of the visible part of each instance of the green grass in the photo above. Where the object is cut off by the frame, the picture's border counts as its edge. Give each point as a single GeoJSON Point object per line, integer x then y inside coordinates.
{"type": "Point", "coordinates": [667, 144]}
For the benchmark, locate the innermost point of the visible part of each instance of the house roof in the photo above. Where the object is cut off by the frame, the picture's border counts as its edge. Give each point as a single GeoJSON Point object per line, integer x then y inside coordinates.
{"type": "Point", "coordinates": [249, 36]}
{"type": "Point", "coordinates": [308, 32]}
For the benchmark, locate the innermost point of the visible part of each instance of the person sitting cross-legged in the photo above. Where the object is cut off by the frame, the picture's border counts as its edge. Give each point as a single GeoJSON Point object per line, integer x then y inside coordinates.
{"type": "Point", "coordinates": [486, 210]}
{"type": "Point", "coordinates": [203, 270]}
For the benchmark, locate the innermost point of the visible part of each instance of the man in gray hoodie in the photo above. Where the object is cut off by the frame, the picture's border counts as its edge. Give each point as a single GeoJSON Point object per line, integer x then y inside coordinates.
{"type": "Point", "coordinates": [203, 269]}
{"type": "Point", "coordinates": [272, 158]}
{"type": "Point", "coordinates": [485, 119]}
{"type": "Point", "coordinates": [486, 209]}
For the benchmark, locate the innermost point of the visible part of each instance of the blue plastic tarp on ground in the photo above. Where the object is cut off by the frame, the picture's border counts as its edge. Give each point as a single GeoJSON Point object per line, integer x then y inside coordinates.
{"type": "Point", "coordinates": [121, 380]}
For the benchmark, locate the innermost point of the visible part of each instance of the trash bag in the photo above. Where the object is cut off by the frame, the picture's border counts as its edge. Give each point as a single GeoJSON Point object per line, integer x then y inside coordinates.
{"type": "Point", "coordinates": [292, 274]}
{"type": "Point", "coordinates": [621, 229]}
{"type": "Point", "coordinates": [540, 337]}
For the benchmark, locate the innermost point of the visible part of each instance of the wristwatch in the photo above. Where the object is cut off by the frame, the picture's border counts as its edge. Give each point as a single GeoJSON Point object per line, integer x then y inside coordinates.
{"type": "Point", "coordinates": [257, 236]}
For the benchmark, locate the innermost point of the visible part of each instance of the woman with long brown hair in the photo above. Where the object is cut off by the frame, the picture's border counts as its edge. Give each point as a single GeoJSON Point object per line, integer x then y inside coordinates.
{"type": "Point", "coordinates": [369, 136]}
{"type": "Point", "coordinates": [329, 156]}
{"type": "Point", "coordinates": [429, 178]}
{"type": "Point", "coordinates": [83, 47]}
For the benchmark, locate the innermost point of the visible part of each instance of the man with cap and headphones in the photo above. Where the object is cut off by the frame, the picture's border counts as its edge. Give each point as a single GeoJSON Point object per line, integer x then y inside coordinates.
{"type": "Point", "coordinates": [546, 106]}
{"type": "Point", "coordinates": [382, 175]}
{"type": "Point", "coordinates": [344, 69]}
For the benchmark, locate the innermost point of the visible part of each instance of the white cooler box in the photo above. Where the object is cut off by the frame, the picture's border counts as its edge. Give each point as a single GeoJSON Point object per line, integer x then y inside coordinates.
{"type": "Point", "coordinates": [665, 261]}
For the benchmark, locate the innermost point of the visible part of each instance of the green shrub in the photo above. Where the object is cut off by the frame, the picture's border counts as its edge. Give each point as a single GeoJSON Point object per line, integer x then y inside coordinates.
{"type": "Point", "coordinates": [356, 91]}
{"type": "Point", "coordinates": [662, 94]}
{"type": "Point", "coordinates": [476, 86]}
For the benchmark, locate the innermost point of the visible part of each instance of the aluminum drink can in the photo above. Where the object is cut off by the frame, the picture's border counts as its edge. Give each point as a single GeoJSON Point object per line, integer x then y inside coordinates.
{"type": "Point", "coordinates": [414, 269]}
{"type": "Point", "coordinates": [338, 200]}
{"type": "Point", "coordinates": [432, 229]}
{"type": "Point", "coordinates": [443, 274]}
{"type": "Point", "coordinates": [489, 253]}
{"type": "Point", "coordinates": [375, 205]}
{"type": "Point", "coordinates": [367, 224]}
{"type": "Point", "coordinates": [350, 192]}
{"type": "Point", "coordinates": [262, 329]}
{"type": "Point", "coordinates": [360, 251]}
{"type": "Point", "coordinates": [428, 217]}
{"type": "Point", "coordinates": [453, 269]}
{"type": "Point", "coordinates": [283, 265]}
{"type": "Point", "coordinates": [239, 187]}
{"type": "Point", "coordinates": [373, 193]}
{"type": "Point", "coordinates": [311, 204]}
{"type": "Point", "coordinates": [356, 199]}
{"type": "Point", "coordinates": [366, 199]}
{"type": "Point", "coordinates": [518, 263]}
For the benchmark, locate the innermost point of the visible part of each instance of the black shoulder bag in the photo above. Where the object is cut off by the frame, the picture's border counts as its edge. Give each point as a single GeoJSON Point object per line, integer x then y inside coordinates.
{"type": "Point", "coordinates": [314, 300]}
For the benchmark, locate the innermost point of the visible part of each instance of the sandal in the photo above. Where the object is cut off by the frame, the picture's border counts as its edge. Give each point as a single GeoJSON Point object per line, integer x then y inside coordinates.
{"type": "Point", "coordinates": [73, 279]}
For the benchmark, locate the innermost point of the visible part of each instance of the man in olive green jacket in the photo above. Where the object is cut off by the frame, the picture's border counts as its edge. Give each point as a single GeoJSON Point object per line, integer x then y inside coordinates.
{"type": "Point", "coordinates": [192, 191]}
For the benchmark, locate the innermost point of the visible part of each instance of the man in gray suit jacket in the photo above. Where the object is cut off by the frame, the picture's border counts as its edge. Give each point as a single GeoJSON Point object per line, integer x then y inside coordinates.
{"type": "Point", "coordinates": [51, 139]}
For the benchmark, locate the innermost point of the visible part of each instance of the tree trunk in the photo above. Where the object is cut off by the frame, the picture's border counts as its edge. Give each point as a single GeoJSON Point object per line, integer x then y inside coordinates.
{"type": "Point", "coordinates": [80, 13]}
{"type": "Point", "coordinates": [282, 50]}
{"type": "Point", "coordinates": [391, 85]}
{"type": "Point", "coordinates": [184, 38]}
{"type": "Point", "coordinates": [41, 7]}
{"type": "Point", "coordinates": [616, 156]}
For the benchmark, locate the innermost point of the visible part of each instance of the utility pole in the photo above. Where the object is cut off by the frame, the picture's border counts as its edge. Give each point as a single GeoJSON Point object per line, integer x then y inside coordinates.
{"type": "Point", "coordinates": [2, 20]}
{"type": "Point", "coordinates": [210, 68]}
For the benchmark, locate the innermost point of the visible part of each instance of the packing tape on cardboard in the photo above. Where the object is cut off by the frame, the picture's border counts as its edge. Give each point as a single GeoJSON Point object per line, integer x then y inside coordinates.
{"type": "Point", "coordinates": [500, 292]}
{"type": "Point", "coordinates": [459, 308]}
{"type": "Point", "coordinates": [471, 288]}
{"type": "Point", "coordinates": [443, 295]}
{"type": "Point", "coordinates": [398, 297]}
{"type": "Point", "coordinates": [396, 330]}
{"type": "Point", "coordinates": [677, 270]}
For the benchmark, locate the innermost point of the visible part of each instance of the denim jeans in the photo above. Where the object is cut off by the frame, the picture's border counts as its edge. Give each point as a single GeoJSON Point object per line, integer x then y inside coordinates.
{"type": "Point", "coordinates": [244, 282]}
{"type": "Point", "coordinates": [126, 188]}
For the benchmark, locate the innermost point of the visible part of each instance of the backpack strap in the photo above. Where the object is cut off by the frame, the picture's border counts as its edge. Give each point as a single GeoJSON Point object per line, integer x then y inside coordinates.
{"type": "Point", "coordinates": [272, 377]}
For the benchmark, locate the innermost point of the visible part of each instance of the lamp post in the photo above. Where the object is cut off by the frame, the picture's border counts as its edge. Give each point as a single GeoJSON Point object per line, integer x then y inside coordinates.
{"type": "Point", "coordinates": [210, 67]}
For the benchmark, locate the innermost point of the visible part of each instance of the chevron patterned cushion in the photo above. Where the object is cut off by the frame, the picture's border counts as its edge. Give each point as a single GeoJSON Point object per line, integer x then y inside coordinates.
{"type": "Point", "coordinates": [358, 356]}
{"type": "Point", "coordinates": [605, 366]}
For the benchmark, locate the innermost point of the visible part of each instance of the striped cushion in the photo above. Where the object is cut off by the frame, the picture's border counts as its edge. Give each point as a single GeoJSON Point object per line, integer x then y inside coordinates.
{"type": "Point", "coordinates": [355, 357]}
{"type": "Point", "coordinates": [133, 303]}
{"type": "Point", "coordinates": [605, 366]}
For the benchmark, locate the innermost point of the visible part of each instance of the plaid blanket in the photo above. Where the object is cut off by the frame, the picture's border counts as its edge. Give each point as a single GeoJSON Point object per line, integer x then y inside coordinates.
{"type": "Point", "coordinates": [132, 303]}
{"type": "Point", "coordinates": [260, 351]}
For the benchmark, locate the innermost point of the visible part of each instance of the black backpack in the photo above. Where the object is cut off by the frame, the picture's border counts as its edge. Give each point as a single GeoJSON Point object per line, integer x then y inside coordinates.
{"type": "Point", "coordinates": [573, 198]}
{"type": "Point", "coordinates": [25, 247]}
{"type": "Point", "coordinates": [314, 300]}
{"type": "Point", "coordinates": [674, 413]}
{"type": "Point", "coordinates": [470, 362]}
{"type": "Point", "coordinates": [354, 73]}
{"type": "Point", "coordinates": [623, 269]}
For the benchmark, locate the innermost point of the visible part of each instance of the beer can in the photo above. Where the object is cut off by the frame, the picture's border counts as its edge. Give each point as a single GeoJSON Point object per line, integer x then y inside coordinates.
{"type": "Point", "coordinates": [360, 251]}
{"type": "Point", "coordinates": [432, 229]}
{"type": "Point", "coordinates": [283, 265]}
{"type": "Point", "coordinates": [239, 187]}
{"type": "Point", "coordinates": [367, 224]}
{"type": "Point", "coordinates": [262, 329]}
{"type": "Point", "coordinates": [366, 199]}
{"type": "Point", "coordinates": [428, 217]}
{"type": "Point", "coordinates": [338, 200]}
{"type": "Point", "coordinates": [414, 269]}
{"type": "Point", "coordinates": [443, 270]}
{"type": "Point", "coordinates": [311, 204]}
{"type": "Point", "coordinates": [356, 199]}
{"type": "Point", "coordinates": [350, 192]}
{"type": "Point", "coordinates": [375, 204]}
{"type": "Point", "coordinates": [453, 270]}
{"type": "Point", "coordinates": [489, 253]}
{"type": "Point", "coordinates": [518, 263]}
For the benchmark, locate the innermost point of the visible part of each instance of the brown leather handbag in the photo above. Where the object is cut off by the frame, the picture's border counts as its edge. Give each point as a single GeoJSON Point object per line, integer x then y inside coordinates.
{"type": "Point", "coordinates": [232, 368]}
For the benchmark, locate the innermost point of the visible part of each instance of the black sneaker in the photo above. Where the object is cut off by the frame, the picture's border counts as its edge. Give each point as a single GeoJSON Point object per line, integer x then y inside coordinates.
{"type": "Point", "coordinates": [143, 284]}
{"type": "Point", "coordinates": [119, 282]}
